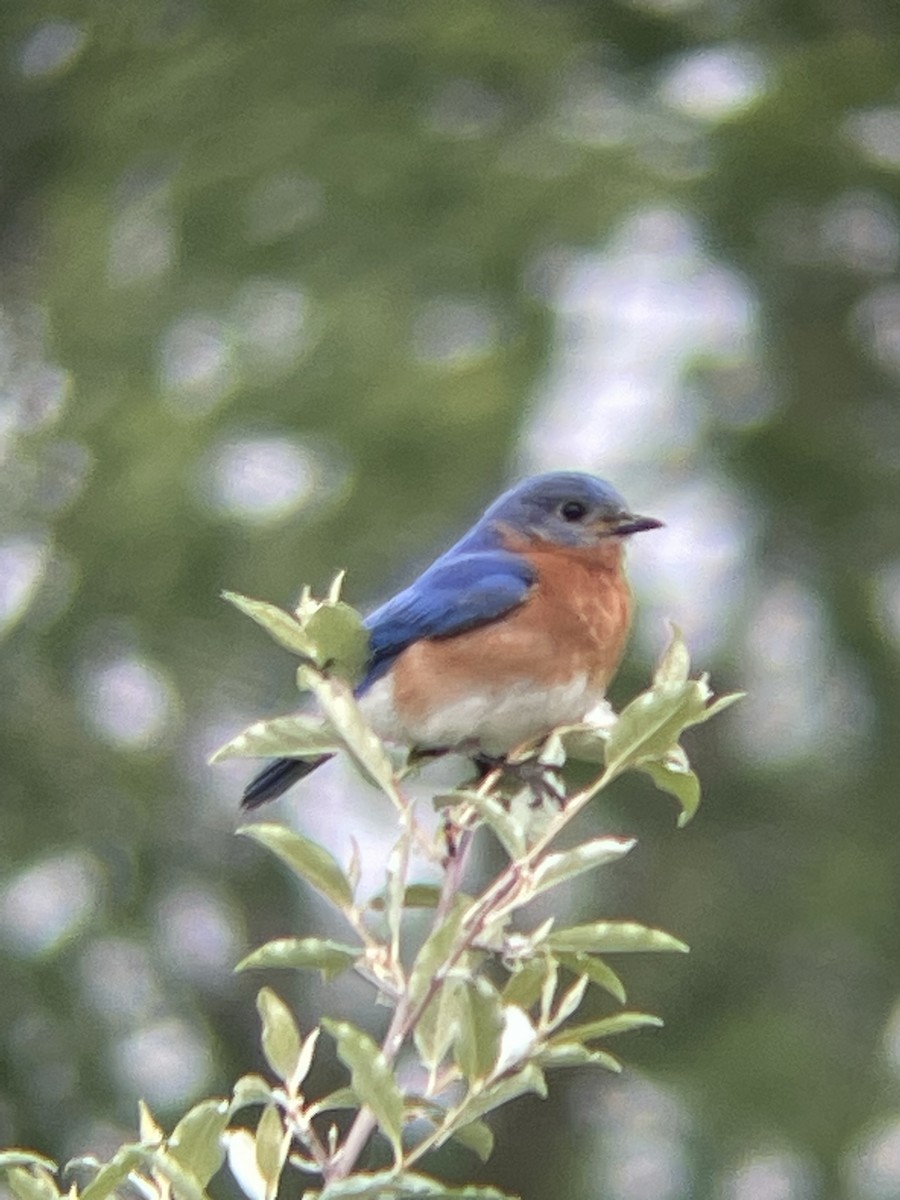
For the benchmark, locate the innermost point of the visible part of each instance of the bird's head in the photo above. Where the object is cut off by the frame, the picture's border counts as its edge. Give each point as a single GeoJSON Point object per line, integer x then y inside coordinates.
{"type": "Point", "coordinates": [566, 508]}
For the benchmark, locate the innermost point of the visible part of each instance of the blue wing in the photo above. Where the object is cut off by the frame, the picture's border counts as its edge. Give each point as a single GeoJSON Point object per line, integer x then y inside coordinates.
{"type": "Point", "coordinates": [461, 590]}
{"type": "Point", "coordinates": [458, 592]}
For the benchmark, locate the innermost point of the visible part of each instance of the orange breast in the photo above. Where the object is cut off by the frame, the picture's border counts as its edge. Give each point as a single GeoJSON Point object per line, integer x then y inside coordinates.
{"type": "Point", "coordinates": [574, 622]}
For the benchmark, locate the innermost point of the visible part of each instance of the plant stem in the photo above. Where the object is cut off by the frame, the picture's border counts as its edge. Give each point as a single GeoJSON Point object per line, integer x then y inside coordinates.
{"type": "Point", "coordinates": [405, 1018]}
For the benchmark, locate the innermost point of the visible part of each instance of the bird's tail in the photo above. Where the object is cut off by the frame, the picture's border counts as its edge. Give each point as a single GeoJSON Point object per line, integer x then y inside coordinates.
{"type": "Point", "coordinates": [276, 777]}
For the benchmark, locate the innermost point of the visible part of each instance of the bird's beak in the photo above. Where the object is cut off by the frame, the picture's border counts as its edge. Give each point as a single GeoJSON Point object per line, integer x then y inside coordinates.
{"type": "Point", "coordinates": [632, 523]}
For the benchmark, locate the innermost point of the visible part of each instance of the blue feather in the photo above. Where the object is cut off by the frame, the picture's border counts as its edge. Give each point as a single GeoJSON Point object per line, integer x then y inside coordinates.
{"type": "Point", "coordinates": [460, 591]}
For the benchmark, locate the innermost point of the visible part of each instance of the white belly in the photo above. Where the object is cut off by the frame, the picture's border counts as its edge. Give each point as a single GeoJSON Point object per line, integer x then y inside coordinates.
{"type": "Point", "coordinates": [495, 720]}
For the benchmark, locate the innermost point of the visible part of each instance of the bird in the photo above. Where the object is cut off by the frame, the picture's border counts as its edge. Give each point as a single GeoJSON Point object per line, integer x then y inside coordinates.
{"type": "Point", "coordinates": [515, 630]}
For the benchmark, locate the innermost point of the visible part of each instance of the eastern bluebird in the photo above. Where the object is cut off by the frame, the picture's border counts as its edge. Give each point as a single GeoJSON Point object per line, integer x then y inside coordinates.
{"type": "Point", "coordinates": [516, 629]}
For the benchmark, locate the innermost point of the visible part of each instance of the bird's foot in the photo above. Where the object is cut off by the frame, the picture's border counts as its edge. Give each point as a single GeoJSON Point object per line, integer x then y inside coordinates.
{"type": "Point", "coordinates": [543, 779]}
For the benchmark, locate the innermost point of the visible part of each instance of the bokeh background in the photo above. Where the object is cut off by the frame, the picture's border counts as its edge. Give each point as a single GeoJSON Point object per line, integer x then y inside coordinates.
{"type": "Point", "coordinates": [293, 286]}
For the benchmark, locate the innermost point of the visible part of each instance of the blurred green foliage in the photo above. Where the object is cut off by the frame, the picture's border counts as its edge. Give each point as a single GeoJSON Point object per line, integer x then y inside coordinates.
{"type": "Point", "coordinates": [234, 233]}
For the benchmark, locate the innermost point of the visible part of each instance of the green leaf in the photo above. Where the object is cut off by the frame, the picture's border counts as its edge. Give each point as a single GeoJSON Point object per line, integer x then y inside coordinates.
{"type": "Point", "coordinates": [240, 1145]}
{"type": "Point", "coordinates": [150, 1129]}
{"type": "Point", "coordinates": [437, 1027]}
{"type": "Point", "coordinates": [505, 827]}
{"type": "Point", "coordinates": [675, 664]}
{"type": "Point", "coordinates": [196, 1141]}
{"type": "Point", "coordinates": [388, 1185]}
{"type": "Point", "coordinates": [250, 1089]}
{"type": "Point", "coordinates": [297, 736]}
{"type": "Point", "coordinates": [623, 1022]}
{"type": "Point", "coordinates": [584, 743]}
{"type": "Point", "coordinates": [558, 868]}
{"type": "Point", "coordinates": [304, 1062]}
{"type": "Point", "coordinates": [570, 1001]}
{"type": "Point", "coordinates": [371, 1078]}
{"type": "Point", "coordinates": [24, 1158]}
{"type": "Point", "coordinates": [271, 1147]}
{"type": "Point", "coordinates": [114, 1173]}
{"type": "Point", "coordinates": [340, 639]}
{"type": "Point", "coordinates": [672, 775]}
{"type": "Point", "coordinates": [480, 1029]}
{"type": "Point", "coordinates": [34, 1184]}
{"type": "Point", "coordinates": [529, 1079]}
{"type": "Point", "coordinates": [397, 865]}
{"type": "Point", "coordinates": [282, 626]}
{"type": "Point", "coordinates": [184, 1183]}
{"type": "Point", "coordinates": [435, 949]}
{"type": "Point", "coordinates": [341, 1098]}
{"type": "Point", "coordinates": [417, 895]}
{"type": "Point", "coordinates": [477, 1137]}
{"type": "Point", "coordinates": [344, 716]}
{"type": "Point", "coordinates": [573, 1054]}
{"type": "Point", "coordinates": [596, 971]}
{"type": "Point", "coordinates": [721, 703]}
{"type": "Point", "coordinates": [305, 858]}
{"type": "Point", "coordinates": [280, 1036]}
{"type": "Point", "coordinates": [652, 723]}
{"type": "Point", "coordinates": [320, 954]}
{"type": "Point", "coordinates": [613, 937]}
{"type": "Point", "coordinates": [650, 726]}
{"type": "Point", "coordinates": [525, 985]}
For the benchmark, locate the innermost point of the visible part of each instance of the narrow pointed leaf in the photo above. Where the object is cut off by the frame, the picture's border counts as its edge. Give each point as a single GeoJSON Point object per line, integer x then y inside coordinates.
{"type": "Point", "coordinates": [271, 1147]}
{"type": "Point", "coordinates": [282, 626]}
{"type": "Point", "coordinates": [319, 954]}
{"type": "Point", "coordinates": [480, 1029]}
{"type": "Point", "coordinates": [344, 716]}
{"type": "Point", "coordinates": [613, 937]}
{"type": "Point", "coordinates": [185, 1184]}
{"type": "Point", "coordinates": [113, 1173]}
{"type": "Point", "coordinates": [334, 590]}
{"type": "Point", "coordinates": [558, 868]}
{"type": "Point", "coordinates": [678, 781]}
{"type": "Point", "coordinates": [24, 1158]}
{"type": "Point", "coordinates": [605, 1027]}
{"type": "Point", "coordinates": [388, 1185]}
{"type": "Point", "coordinates": [675, 663]}
{"type": "Point", "coordinates": [529, 1079]}
{"type": "Point", "coordinates": [196, 1141]}
{"type": "Point", "coordinates": [34, 1184]}
{"type": "Point", "coordinates": [148, 1126]}
{"type": "Point", "coordinates": [653, 722]}
{"type": "Point", "coordinates": [304, 1059]}
{"type": "Point", "coordinates": [574, 1054]}
{"type": "Point", "coordinates": [439, 1024]}
{"type": "Point", "coordinates": [524, 987]}
{"type": "Point", "coordinates": [396, 865]}
{"type": "Point", "coordinates": [240, 1147]}
{"type": "Point", "coordinates": [371, 1077]}
{"type": "Point", "coordinates": [502, 823]}
{"type": "Point", "coordinates": [250, 1089]}
{"type": "Point", "coordinates": [341, 1098]}
{"type": "Point", "coordinates": [548, 991]}
{"type": "Point", "coordinates": [435, 949]}
{"type": "Point", "coordinates": [721, 703]}
{"type": "Point", "coordinates": [650, 726]}
{"type": "Point", "coordinates": [596, 970]}
{"type": "Point", "coordinates": [477, 1137]}
{"type": "Point", "coordinates": [280, 1036]}
{"type": "Point", "coordinates": [570, 1001]}
{"type": "Point", "coordinates": [305, 858]}
{"type": "Point", "coordinates": [584, 743]}
{"type": "Point", "coordinates": [295, 736]}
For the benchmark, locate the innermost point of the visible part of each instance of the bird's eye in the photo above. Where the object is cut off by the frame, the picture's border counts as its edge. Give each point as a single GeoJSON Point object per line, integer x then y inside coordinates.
{"type": "Point", "coordinates": [573, 510]}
